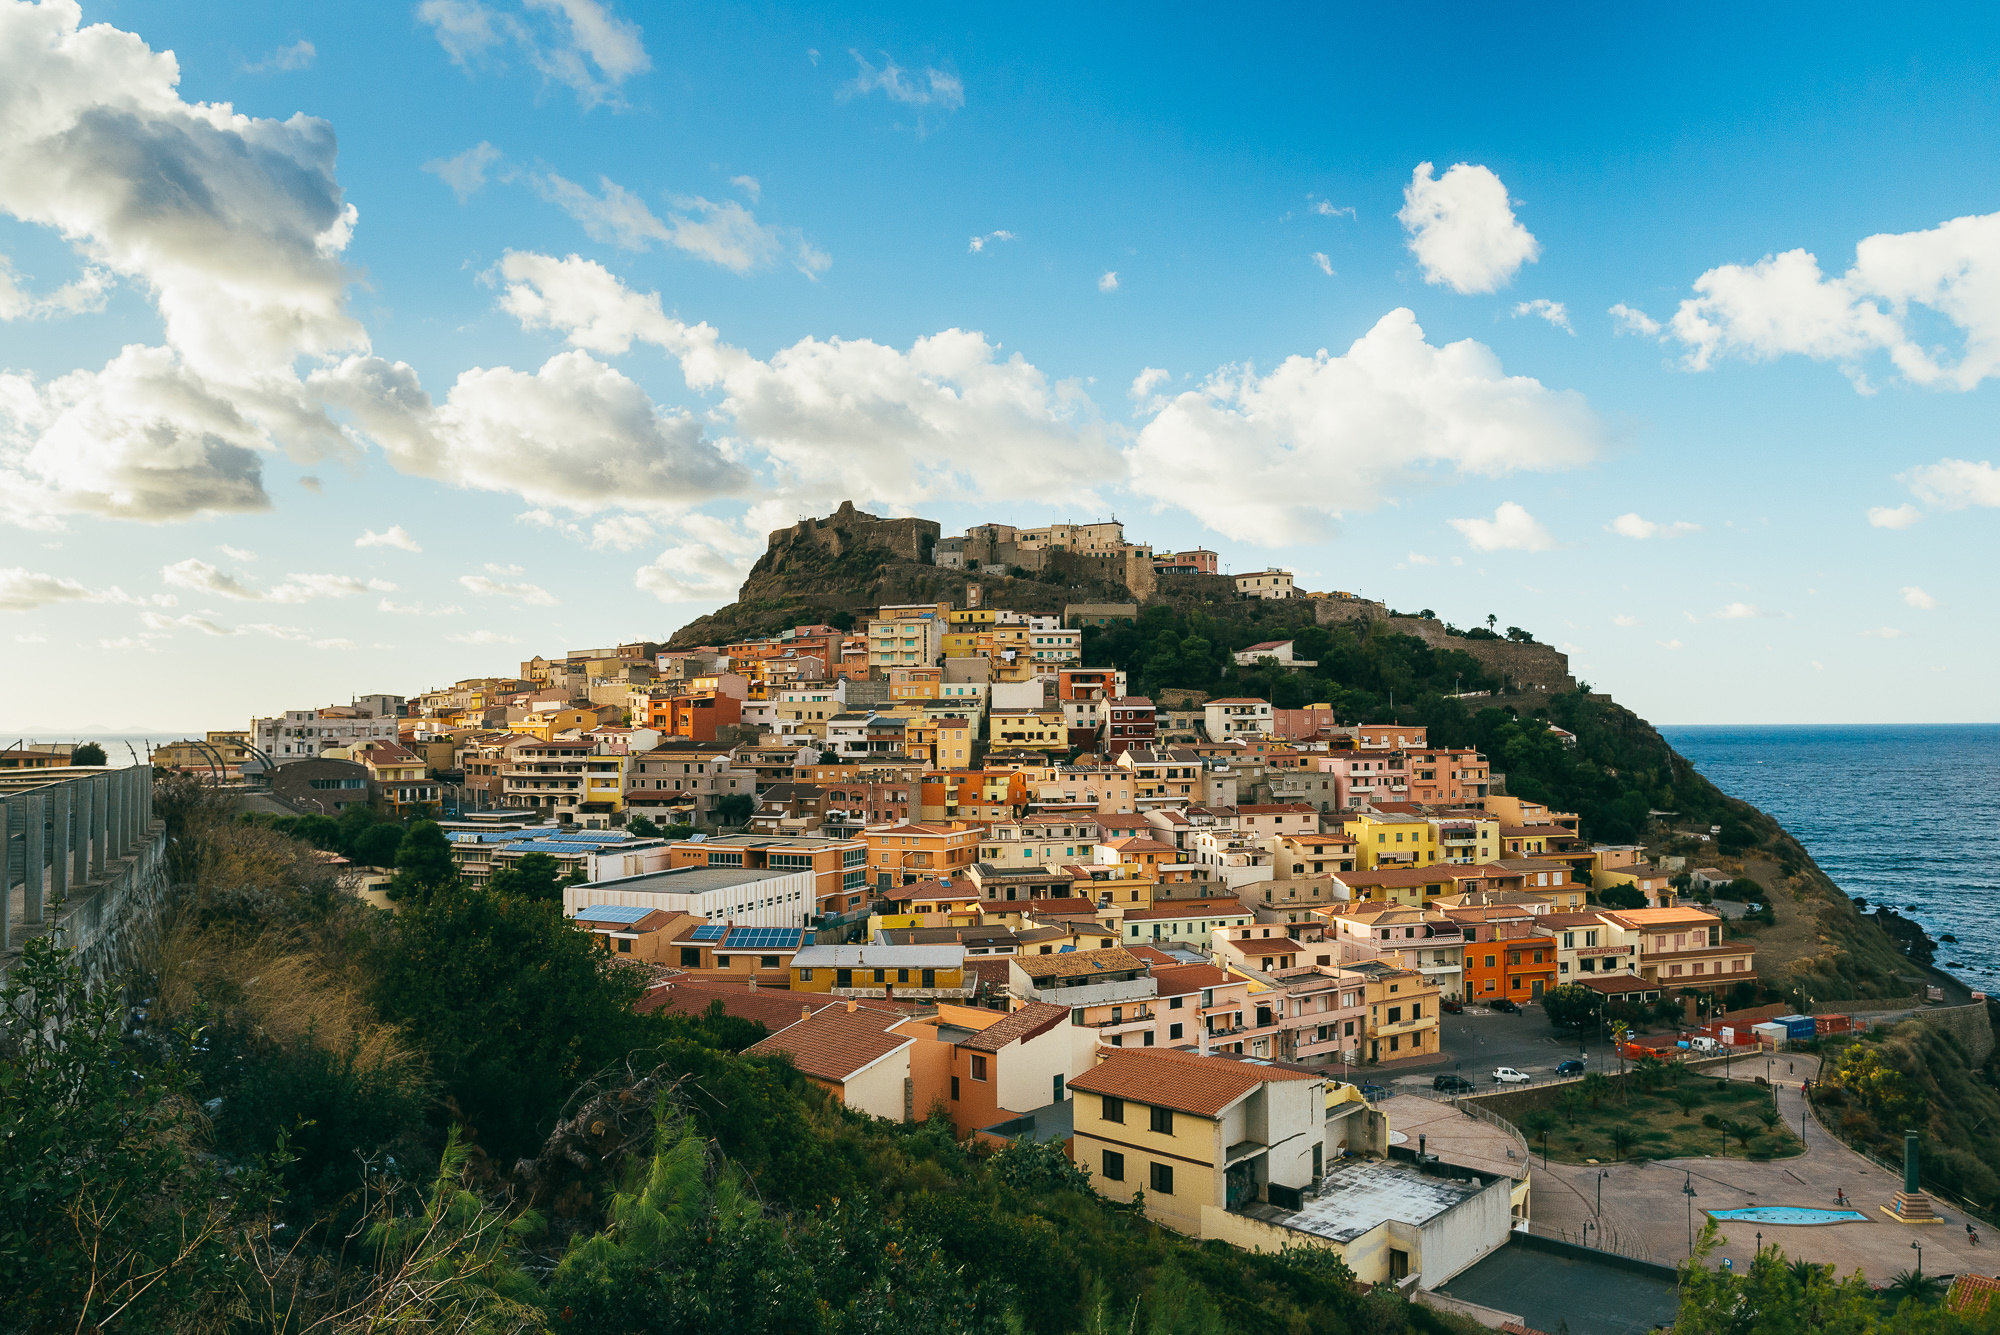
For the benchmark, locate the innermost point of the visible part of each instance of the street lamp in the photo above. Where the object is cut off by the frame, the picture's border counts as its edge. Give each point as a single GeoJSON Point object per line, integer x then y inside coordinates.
{"type": "Point", "coordinates": [1602, 1173]}
{"type": "Point", "coordinates": [1760, 1244]}
{"type": "Point", "coordinates": [1687, 1190]}
{"type": "Point", "coordinates": [1920, 1256]}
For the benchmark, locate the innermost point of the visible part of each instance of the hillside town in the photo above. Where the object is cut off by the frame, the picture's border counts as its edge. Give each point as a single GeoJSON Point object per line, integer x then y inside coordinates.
{"type": "Point", "coordinates": [953, 868]}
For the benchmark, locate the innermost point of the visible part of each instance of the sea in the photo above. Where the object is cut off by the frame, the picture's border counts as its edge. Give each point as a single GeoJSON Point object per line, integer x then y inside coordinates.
{"type": "Point", "coordinates": [1903, 815]}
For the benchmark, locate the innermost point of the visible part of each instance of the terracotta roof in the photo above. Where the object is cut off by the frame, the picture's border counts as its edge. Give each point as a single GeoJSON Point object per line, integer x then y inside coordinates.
{"type": "Point", "coordinates": [931, 890]}
{"type": "Point", "coordinates": [836, 1043]}
{"type": "Point", "coordinates": [1305, 808]}
{"type": "Point", "coordinates": [1180, 979]}
{"type": "Point", "coordinates": [991, 971]}
{"type": "Point", "coordinates": [1031, 1021]}
{"type": "Point", "coordinates": [1192, 908]}
{"type": "Point", "coordinates": [772, 1007]}
{"type": "Point", "coordinates": [1183, 1081]}
{"type": "Point", "coordinates": [1079, 963]}
{"type": "Point", "coordinates": [1059, 906]}
{"type": "Point", "coordinates": [1436, 874]}
{"type": "Point", "coordinates": [1139, 845]}
{"type": "Point", "coordinates": [1971, 1294]}
{"type": "Point", "coordinates": [1569, 920]}
{"type": "Point", "coordinates": [1621, 983]}
{"type": "Point", "coordinates": [1155, 959]}
{"type": "Point", "coordinates": [1654, 919]}
{"type": "Point", "coordinates": [1275, 945]}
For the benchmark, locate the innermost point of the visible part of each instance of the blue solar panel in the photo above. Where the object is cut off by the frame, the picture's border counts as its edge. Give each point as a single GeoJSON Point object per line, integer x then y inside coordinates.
{"type": "Point", "coordinates": [614, 912]}
{"type": "Point", "coordinates": [765, 938]}
{"type": "Point", "coordinates": [712, 932]}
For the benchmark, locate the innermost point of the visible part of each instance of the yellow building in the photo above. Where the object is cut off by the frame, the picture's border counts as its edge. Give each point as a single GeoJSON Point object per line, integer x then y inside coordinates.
{"type": "Point", "coordinates": [1402, 1014]}
{"type": "Point", "coordinates": [869, 970]}
{"type": "Point", "coordinates": [1028, 729]}
{"type": "Point", "coordinates": [544, 724]}
{"type": "Point", "coordinates": [914, 683]}
{"type": "Point", "coordinates": [1383, 839]}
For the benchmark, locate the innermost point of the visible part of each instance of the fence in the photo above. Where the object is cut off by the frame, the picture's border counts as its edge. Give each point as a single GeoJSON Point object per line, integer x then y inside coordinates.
{"type": "Point", "coordinates": [60, 835]}
{"type": "Point", "coordinates": [1895, 1170]}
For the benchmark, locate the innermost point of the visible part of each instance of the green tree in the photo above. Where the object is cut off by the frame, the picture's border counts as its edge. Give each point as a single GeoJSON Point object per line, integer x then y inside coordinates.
{"type": "Point", "coordinates": [734, 809]}
{"type": "Point", "coordinates": [532, 876]}
{"type": "Point", "coordinates": [514, 1003]}
{"type": "Point", "coordinates": [1688, 1099]}
{"type": "Point", "coordinates": [377, 845]}
{"type": "Point", "coordinates": [1537, 1123]}
{"type": "Point", "coordinates": [1571, 1006]}
{"type": "Point", "coordinates": [1622, 897]}
{"type": "Point", "coordinates": [1571, 1100]}
{"type": "Point", "coordinates": [110, 1221]}
{"type": "Point", "coordinates": [641, 828]}
{"type": "Point", "coordinates": [423, 863]}
{"type": "Point", "coordinates": [1623, 1138]}
{"type": "Point", "coordinates": [1595, 1086]}
{"type": "Point", "coordinates": [90, 753]}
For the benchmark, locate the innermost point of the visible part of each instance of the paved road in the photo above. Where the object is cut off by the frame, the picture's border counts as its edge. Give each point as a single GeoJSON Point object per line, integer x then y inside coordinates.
{"type": "Point", "coordinates": [1479, 1040]}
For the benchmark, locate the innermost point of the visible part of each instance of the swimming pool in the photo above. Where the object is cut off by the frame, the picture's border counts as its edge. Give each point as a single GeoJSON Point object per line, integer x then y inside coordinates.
{"type": "Point", "coordinates": [1786, 1214]}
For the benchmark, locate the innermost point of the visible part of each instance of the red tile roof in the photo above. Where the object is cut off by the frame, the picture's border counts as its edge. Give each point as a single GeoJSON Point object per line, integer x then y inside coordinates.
{"type": "Point", "coordinates": [1276, 945]}
{"type": "Point", "coordinates": [1031, 1021]}
{"type": "Point", "coordinates": [836, 1043]}
{"type": "Point", "coordinates": [1183, 1081]}
{"type": "Point", "coordinates": [1180, 979]}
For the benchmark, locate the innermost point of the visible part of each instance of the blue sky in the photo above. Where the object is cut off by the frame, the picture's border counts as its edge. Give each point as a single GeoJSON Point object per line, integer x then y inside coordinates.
{"type": "Point", "coordinates": [625, 286]}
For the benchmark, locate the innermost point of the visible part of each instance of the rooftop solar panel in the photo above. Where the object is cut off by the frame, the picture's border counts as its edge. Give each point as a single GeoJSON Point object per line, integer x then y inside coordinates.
{"type": "Point", "coordinates": [614, 912]}
{"type": "Point", "coordinates": [764, 938]}
{"type": "Point", "coordinates": [712, 932]}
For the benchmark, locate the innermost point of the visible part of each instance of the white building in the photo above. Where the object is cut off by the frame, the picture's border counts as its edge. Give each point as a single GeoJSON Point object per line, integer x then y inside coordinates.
{"type": "Point", "coordinates": [1238, 716]}
{"type": "Point", "coordinates": [742, 897]}
{"type": "Point", "coordinates": [301, 734]}
{"type": "Point", "coordinates": [1265, 584]}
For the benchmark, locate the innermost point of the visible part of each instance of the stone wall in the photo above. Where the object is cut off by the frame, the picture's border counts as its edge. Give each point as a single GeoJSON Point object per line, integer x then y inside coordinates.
{"type": "Point", "coordinates": [107, 922]}
{"type": "Point", "coordinates": [848, 528]}
{"type": "Point", "coordinates": [1970, 1025]}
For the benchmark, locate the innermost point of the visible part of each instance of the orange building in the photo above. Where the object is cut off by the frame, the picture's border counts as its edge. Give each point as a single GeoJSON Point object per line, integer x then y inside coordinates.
{"type": "Point", "coordinates": [1511, 959]}
{"type": "Point", "coordinates": [906, 854]}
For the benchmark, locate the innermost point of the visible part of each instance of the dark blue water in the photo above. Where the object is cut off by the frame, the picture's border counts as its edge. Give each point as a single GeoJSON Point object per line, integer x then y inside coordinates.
{"type": "Point", "coordinates": [1907, 816]}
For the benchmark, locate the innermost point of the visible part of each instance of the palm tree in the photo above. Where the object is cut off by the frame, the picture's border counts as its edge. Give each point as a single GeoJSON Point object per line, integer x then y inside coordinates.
{"type": "Point", "coordinates": [1769, 1117]}
{"type": "Point", "coordinates": [1623, 1138]}
{"type": "Point", "coordinates": [1539, 1123]}
{"type": "Point", "coordinates": [1742, 1131]}
{"type": "Point", "coordinates": [1688, 1100]}
{"type": "Point", "coordinates": [1571, 1102]}
{"type": "Point", "coordinates": [1926, 1289]}
{"type": "Point", "coordinates": [1595, 1086]}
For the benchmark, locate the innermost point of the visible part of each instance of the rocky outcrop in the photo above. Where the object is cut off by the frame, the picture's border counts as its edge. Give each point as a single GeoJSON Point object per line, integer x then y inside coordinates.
{"type": "Point", "coordinates": [848, 529]}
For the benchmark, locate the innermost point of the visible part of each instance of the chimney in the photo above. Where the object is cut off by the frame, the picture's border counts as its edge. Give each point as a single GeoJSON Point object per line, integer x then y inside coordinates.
{"type": "Point", "coordinates": [1201, 1031]}
{"type": "Point", "coordinates": [805, 1012]}
{"type": "Point", "coordinates": [852, 1005]}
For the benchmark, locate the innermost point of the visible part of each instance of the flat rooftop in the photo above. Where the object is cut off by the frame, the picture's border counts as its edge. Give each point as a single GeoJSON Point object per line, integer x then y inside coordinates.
{"type": "Point", "coordinates": [694, 880]}
{"type": "Point", "coordinates": [1580, 1294]}
{"type": "Point", "coordinates": [1354, 1197]}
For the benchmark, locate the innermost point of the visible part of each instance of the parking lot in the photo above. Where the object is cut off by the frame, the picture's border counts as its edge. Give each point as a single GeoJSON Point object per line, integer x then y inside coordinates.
{"type": "Point", "coordinates": [1478, 1040]}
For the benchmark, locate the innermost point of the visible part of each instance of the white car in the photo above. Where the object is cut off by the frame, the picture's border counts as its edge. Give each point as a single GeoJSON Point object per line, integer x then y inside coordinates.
{"type": "Point", "coordinates": [1507, 1075]}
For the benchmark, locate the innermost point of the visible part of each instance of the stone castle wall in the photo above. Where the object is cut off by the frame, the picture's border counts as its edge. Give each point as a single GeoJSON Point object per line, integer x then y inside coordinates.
{"type": "Point", "coordinates": [848, 528]}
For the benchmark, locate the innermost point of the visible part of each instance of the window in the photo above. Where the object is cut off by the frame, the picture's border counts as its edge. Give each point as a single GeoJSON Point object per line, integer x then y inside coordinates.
{"type": "Point", "coordinates": [1174, 1003]}
{"type": "Point", "coordinates": [624, 945]}
{"type": "Point", "coordinates": [1175, 1030]}
{"type": "Point", "coordinates": [1163, 1121]}
{"type": "Point", "coordinates": [1114, 1109]}
{"type": "Point", "coordinates": [978, 1067]}
{"type": "Point", "coordinates": [1395, 1015]}
{"type": "Point", "coordinates": [954, 1089]}
{"type": "Point", "coordinates": [691, 959]}
{"type": "Point", "coordinates": [1163, 1179]}
{"type": "Point", "coordinates": [1114, 1166]}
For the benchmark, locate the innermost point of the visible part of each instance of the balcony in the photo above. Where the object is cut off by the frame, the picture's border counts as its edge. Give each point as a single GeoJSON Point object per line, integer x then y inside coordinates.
{"type": "Point", "coordinates": [1130, 1021]}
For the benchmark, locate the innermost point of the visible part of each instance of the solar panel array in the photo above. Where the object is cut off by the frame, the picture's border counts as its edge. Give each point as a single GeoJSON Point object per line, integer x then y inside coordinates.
{"type": "Point", "coordinates": [712, 932]}
{"type": "Point", "coordinates": [765, 938]}
{"type": "Point", "coordinates": [614, 912]}
{"type": "Point", "coordinates": [592, 837]}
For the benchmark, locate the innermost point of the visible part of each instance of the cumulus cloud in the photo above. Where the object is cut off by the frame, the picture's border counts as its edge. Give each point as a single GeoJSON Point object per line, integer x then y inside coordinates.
{"type": "Point", "coordinates": [580, 44]}
{"type": "Point", "coordinates": [1785, 305]}
{"type": "Point", "coordinates": [623, 532]}
{"type": "Point", "coordinates": [1553, 311]}
{"type": "Point", "coordinates": [233, 225]}
{"type": "Point", "coordinates": [1391, 411]}
{"type": "Point", "coordinates": [1669, 645]}
{"type": "Point", "coordinates": [1148, 380]}
{"type": "Point", "coordinates": [1462, 229]}
{"type": "Point", "coordinates": [691, 572]}
{"type": "Point", "coordinates": [1741, 612]}
{"type": "Point", "coordinates": [1632, 526]}
{"type": "Point", "coordinates": [532, 594]}
{"type": "Point", "coordinates": [979, 242]}
{"type": "Point", "coordinates": [23, 590]}
{"type": "Point", "coordinates": [933, 88]}
{"type": "Point", "coordinates": [1631, 321]}
{"type": "Point", "coordinates": [465, 172]}
{"type": "Point", "coordinates": [1109, 282]}
{"type": "Point", "coordinates": [723, 233]}
{"type": "Point", "coordinates": [201, 577]}
{"type": "Point", "coordinates": [1917, 598]}
{"type": "Point", "coordinates": [1326, 209]}
{"type": "Point", "coordinates": [1511, 529]}
{"type": "Point", "coordinates": [161, 622]}
{"type": "Point", "coordinates": [1623, 619]}
{"type": "Point", "coordinates": [1325, 265]}
{"type": "Point", "coordinates": [298, 56]}
{"type": "Point", "coordinates": [1953, 484]}
{"type": "Point", "coordinates": [1900, 516]}
{"type": "Point", "coordinates": [393, 537]}
{"type": "Point", "coordinates": [834, 418]}
{"type": "Point", "coordinates": [236, 553]}
{"type": "Point", "coordinates": [85, 293]}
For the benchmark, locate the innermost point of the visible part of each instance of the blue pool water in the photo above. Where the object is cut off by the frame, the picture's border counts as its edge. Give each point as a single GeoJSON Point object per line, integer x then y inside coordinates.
{"type": "Point", "coordinates": [1786, 1214]}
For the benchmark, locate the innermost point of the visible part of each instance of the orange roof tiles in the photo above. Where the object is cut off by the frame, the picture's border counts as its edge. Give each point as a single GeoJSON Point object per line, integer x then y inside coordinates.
{"type": "Point", "coordinates": [1183, 1081]}
{"type": "Point", "coordinates": [836, 1043]}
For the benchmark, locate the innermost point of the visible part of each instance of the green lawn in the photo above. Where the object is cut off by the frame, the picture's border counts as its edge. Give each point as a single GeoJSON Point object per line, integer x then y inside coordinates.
{"type": "Point", "coordinates": [1660, 1129]}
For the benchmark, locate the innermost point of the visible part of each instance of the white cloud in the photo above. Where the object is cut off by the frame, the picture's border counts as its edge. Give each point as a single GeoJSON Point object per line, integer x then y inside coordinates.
{"type": "Point", "coordinates": [933, 88]}
{"type": "Point", "coordinates": [1108, 283]}
{"type": "Point", "coordinates": [1953, 484]}
{"type": "Point", "coordinates": [236, 553]}
{"type": "Point", "coordinates": [481, 637]}
{"type": "Point", "coordinates": [1622, 619]}
{"type": "Point", "coordinates": [1741, 612]}
{"type": "Point", "coordinates": [24, 590]}
{"type": "Point", "coordinates": [298, 56]}
{"type": "Point", "coordinates": [393, 537]}
{"type": "Point", "coordinates": [156, 621]}
{"type": "Point", "coordinates": [1882, 633]}
{"type": "Point", "coordinates": [1393, 410]}
{"type": "Point", "coordinates": [623, 532]}
{"type": "Point", "coordinates": [1901, 516]}
{"type": "Point", "coordinates": [692, 572]}
{"type": "Point", "coordinates": [1511, 529]}
{"type": "Point", "coordinates": [1784, 304]}
{"type": "Point", "coordinates": [532, 594]}
{"type": "Point", "coordinates": [1669, 644]}
{"type": "Point", "coordinates": [1462, 229]}
{"type": "Point", "coordinates": [749, 185]}
{"type": "Point", "coordinates": [1148, 380]}
{"type": "Point", "coordinates": [1553, 311]}
{"type": "Point", "coordinates": [577, 43]}
{"type": "Point", "coordinates": [202, 577]}
{"type": "Point", "coordinates": [723, 233]}
{"type": "Point", "coordinates": [495, 568]}
{"type": "Point", "coordinates": [978, 243]}
{"type": "Point", "coordinates": [576, 434]}
{"type": "Point", "coordinates": [234, 227]}
{"type": "Point", "coordinates": [1326, 209]}
{"type": "Point", "coordinates": [86, 293]}
{"type": "Point", "coordinates": [832, 419]}
{"type": "Point", "coordinates": [1918, 599]}
{"type": "Point", "coordinates": [465, 172]}
{"type": "Point", "coordinates": [1325, 265]}
{"type": "Point", "coordinates": [1632, 526]}
{"type": "Point", "coordinates": [1632, 321]}
{"type": "Point", "coordinates": [1416, 559]}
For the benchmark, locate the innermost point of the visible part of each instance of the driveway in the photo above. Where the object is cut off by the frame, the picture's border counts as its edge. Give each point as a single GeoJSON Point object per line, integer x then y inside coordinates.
{"type": "Point", "coordinates": [1479, 1040]}
{"type": "Point", "coordinates": [1645, 1210]}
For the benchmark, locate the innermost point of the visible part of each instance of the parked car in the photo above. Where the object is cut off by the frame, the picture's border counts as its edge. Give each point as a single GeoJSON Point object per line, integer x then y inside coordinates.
{"type": "Point", "coordinates": [1570, 1067]}
{"type": "Point", "coordinates": [1503, 1005]}
{"type": "Point", "coordinates": [1507, 1075]}
{"type": "Point", "coordinates": [1453, 1084]}
{"type": "Point", "coordinates": [1375, 1093]}
{"type": "Point", "coordinates": [1452, 1005]}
